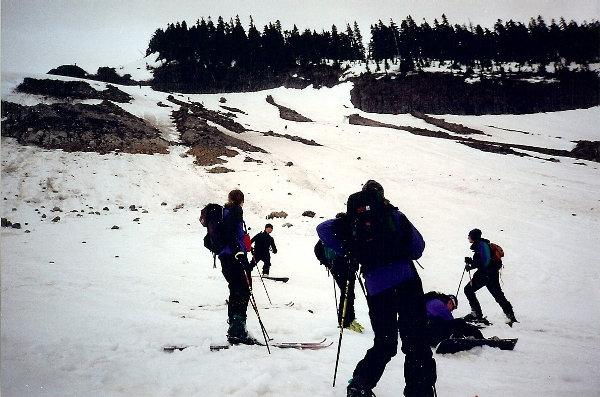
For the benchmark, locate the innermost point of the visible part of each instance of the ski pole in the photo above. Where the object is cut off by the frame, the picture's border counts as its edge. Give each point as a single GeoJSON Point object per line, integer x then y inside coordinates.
{"type": "Point", "coordinates": [335, 296]}
{"type": "Point", "coordinates": [461, 279]}
{"type": "Point", "coordinates": [253, 301]}
{"type": "Point", "coordinates": [337, 359]}
{"type": "Point", "coordinates": [362, 285]}
{"type": "Point", "coordinates": [263, 282]}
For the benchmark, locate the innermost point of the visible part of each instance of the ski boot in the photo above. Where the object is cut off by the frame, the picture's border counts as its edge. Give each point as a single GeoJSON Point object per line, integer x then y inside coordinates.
{"type": "Point", "coordinates": [355, 326]}
{"type": "Point", "coordinates": [356, 388]}
{"type": "Point", "coordinates": [511, 319]}
{"type": "Point", "coordinates": [237, 332]}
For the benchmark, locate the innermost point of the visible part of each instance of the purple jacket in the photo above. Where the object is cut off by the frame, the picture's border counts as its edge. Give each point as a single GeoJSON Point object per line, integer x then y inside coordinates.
{"type": "Point", "coordinates": [437, 308]}
{"type": "Point", "coordinates": [381, 278]}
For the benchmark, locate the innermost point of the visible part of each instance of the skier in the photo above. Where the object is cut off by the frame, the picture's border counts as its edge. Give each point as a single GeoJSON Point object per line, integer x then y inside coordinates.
{"type": "Point", "coordinates": [235, 268]}
{"type": "Point", "coordinates": [263, 243]}
{"type": "Point", "coordinates": [487, 275]}
{"type": "Point", "coordinates": [440, 322]}
{"type": "Point", "coordinates": [394, 296]}
{"type": "Point", "coordinates": [341, 269]}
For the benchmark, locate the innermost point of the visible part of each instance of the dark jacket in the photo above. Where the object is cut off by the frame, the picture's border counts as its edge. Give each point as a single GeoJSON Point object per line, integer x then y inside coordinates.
{"type": "Point", "coordinates": [262, 243]}
{"type": "Point", "coordinates": [481, 254]}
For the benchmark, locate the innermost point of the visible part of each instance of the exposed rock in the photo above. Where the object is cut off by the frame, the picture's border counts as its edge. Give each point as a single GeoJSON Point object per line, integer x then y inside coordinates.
{"type": "Point", "coordinates": [71, 90]}
{"type": "Point", "coordinates": [78, 127]}
{"type": "Point", "coordinates": [287, 113]}
{"type": "Point", "coordinates": [279, 214]}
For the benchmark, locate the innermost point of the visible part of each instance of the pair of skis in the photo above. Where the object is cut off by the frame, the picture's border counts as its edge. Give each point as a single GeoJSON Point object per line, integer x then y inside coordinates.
{"type": "Point", "coordinates": [281, 345]}
{"type": "Point", "coordinates": [455, 345]}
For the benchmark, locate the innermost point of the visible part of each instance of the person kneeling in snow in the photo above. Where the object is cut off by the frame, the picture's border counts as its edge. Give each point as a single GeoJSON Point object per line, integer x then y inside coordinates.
{"type": "Point", "coordinates": [440, 322]}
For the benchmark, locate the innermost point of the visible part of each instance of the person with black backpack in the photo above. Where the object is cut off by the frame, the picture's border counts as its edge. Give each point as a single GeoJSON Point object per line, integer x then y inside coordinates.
{"type": "Point", "coordinates": [342, 270]}
{"type": "Point", "coordinates": [385, 243]}
{"type": "Point", "coordinates": [263, 244]}
{"type": "Point", "coordinates": [236, 268]}
{"type": "Point", "coordinates": [487, 275]}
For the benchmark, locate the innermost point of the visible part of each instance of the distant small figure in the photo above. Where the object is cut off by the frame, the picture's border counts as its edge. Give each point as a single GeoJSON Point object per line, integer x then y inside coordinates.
{"type": "Point", "coordinates": [263, 244]}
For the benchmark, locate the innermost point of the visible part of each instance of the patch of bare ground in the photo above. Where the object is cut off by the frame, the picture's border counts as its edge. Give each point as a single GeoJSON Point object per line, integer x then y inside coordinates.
{"type": "Point", "coordinates": [584, 150]}
{"type": "Point", "coordinates": [78, 127]}
{"type": "Point", "coordinates": [287, 113]}
{"type": "Point", "coordinates": [207, 143]}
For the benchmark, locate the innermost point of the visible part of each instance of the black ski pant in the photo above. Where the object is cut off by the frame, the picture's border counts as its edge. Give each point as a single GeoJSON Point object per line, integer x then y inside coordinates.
{"type": "Point", "coordinates": [491, 280]}
{"type": "Point", "coordinates": [239, 291]}
{"type": "Point", "coordinates": [266, 262]}
{"type": "Point", "coordinates": [399, 309]}
{"type": "Point", "coordinates": [439, 329]}
{"type": "Point", "coordinates": [340, 280]}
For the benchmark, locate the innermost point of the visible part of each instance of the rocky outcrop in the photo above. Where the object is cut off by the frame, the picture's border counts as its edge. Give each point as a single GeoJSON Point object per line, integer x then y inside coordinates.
{"type": "Point", "coordinates": [78, 127]}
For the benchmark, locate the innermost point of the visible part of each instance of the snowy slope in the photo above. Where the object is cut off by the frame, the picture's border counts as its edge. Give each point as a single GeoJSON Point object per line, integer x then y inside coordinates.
{"type": "Point", "coordinates": [87, 308]}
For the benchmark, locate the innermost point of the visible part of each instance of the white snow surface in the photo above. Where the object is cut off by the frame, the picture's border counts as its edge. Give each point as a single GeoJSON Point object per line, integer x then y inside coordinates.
{"type": "Point", "coordinates": [87, 309]}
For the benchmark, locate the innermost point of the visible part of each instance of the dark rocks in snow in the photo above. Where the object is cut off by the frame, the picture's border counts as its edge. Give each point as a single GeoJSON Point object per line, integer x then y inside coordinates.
{"type": "Point", "coordinates": [277, 214]}
{"type": "Point", "coordinates": [207, 143]}
{"type": "Point", "coordinates": [219, 170]}
{"type": "Point", "coordinates": [71, 90]}
{"type": "Point", "coordinates": [310, 142]}
{"type": "Point", "coordinates": [115, 227]}
{"type": "Point", "coordinates": [443, 93]}
{"type": "Point", "coordinates": [310, 214]}
{"type": "Point", "coordinates": [79, 127]}
{"type": "Point", "coordinates": [587, 150]}
{"type": "Point", "coordinates": [7, 223]}
{"type": "Point", "coordinates": [56, 219]}
{"type": "Point", "coordinates": [287, 113]}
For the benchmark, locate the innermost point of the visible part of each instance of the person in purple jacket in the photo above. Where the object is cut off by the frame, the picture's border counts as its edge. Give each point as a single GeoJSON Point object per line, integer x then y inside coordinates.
{"type": "Point", "coordinates": [441, 324]}
{"type": "Point", "coordinates": [396, 305]}
{"type": "Point", "coordinates": [487, 275]}
{"type": "Point", "coordinates": [236, 268]}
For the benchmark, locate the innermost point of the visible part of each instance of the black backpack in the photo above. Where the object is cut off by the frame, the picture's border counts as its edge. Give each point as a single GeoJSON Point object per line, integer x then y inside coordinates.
{"type": "Point", "coordinates": [211, 217]}
{"type": "Point", "coordinates": [376, 239]}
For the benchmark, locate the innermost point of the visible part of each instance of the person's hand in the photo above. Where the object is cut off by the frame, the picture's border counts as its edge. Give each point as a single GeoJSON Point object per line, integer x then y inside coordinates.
{"type": "Point", "coordinates": [243, 261]}
{"type": "Point", "coordinates": [274, 251]}
{"type": "Point", "coordinates": [468, 260]}
{"type": "Point", "coordinates": [468, 267]}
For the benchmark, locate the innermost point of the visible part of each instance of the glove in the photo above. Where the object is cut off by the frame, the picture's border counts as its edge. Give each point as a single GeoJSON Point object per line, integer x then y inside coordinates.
{"type": "Point", "coordinates": [468, 260]}
{"type": "Point", "coordinates": [274, 251]}
{"type": "Point", "coordinates": [468, 267]}
{"type": "Point", "coordinates": [243, 261]}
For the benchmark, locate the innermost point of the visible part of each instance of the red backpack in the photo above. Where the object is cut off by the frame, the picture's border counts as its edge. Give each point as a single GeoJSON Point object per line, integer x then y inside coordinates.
{"type": "Point", "coordinates": [496, 252]}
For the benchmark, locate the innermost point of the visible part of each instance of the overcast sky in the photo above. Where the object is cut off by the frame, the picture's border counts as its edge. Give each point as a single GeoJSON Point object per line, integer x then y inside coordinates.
{"type": "Point", "coordinates": [38, 35]}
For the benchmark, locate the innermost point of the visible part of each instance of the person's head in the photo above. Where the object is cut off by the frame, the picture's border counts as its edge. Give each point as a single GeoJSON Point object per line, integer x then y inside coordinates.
{"type": "Point", "coordinates": [452, 302]}
{"type": "Point", "coordinates": [372, 185]}
{"type": "Point", "coordinates": [235, 197]}
{"type": "Point", "coordinates": [268, 228]}
{"type": "Point", "coordinates": [474, 235]}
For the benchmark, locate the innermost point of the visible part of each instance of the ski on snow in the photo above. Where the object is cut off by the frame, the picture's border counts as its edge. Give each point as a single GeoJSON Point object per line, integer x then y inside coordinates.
{"type": "Point", "coordinates": [218, 305]}
{"type": "Point", "coordinates": [281, 345]}
{"type": "Point", "coordinates": [282, 279]}
{"type": "Point", "coordinates": [455, 345]}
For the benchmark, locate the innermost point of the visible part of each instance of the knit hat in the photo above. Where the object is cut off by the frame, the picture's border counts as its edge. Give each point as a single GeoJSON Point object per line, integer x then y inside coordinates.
{"type": "Point", "coordinates": [475, 234]}
{"type": "Point", "coordinates": [371, 184]}
{"type": "Point", "coordinates": [268, 225]}
{"type": "Point", "coordinates": [454, 300]}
